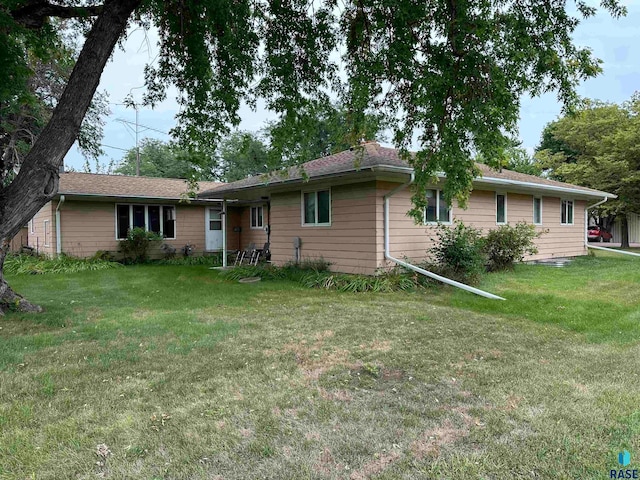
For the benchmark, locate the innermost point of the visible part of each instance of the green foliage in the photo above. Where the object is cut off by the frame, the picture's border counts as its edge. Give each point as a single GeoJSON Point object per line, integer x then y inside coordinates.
{"type": "Point", "coordinates": [314, 274]}
{"type": "Point", "coordinates": [458, 253]}
{"type": "Point", "coordinates": [135, 247]}
{"type": "Point", "coordinates": [597, 147]}
{"type": "Point", "coordinates": [383, 283]}
{"type": "Point", "coordinates": [507, 245]}
{"type": "Point", "coordinates": [243, 154]}
{"type": "Point", "coordinates": [31, 264]}
{"type": "Point", "coordinates": [211, 260]}
{"type": "Point", "coordinates": [168, 160]}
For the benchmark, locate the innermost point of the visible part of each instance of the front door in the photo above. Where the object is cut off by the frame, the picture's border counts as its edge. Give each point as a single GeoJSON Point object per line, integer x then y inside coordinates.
{"type": "Point", "coordinates": [214, 229]}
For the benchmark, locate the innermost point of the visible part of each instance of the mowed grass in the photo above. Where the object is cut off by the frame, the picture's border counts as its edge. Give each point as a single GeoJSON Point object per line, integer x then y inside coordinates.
{"type": "Point", "coordinates": [183, 375]}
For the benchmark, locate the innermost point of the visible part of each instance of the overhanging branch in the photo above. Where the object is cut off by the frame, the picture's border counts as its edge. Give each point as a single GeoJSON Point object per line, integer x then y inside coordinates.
{"type": "Point", "coordinates": [34, 13]}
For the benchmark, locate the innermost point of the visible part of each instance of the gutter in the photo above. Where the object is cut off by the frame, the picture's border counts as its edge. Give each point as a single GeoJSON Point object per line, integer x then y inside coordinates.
{"type": "Point", "coordinates": [586, 240]}
{"type": "Point", "coordinates": [58, 229]}
{"type": "Point", "coordinates": [419, 270]}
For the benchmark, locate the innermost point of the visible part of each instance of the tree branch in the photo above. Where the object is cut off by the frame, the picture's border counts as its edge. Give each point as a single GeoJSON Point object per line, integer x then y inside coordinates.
{"type": "Point", "coordinates": [34, 14]}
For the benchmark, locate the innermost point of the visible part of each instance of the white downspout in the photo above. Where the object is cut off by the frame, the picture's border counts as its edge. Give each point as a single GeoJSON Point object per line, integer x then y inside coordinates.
{"type": "Point", "coordinates": [586, 240]}
{"type": "Point", "coordinates": [224, 233]}
{"type": "Point", "coordinates": [419, 270]}
{"type": "Point", "coordinates": [58, 229]}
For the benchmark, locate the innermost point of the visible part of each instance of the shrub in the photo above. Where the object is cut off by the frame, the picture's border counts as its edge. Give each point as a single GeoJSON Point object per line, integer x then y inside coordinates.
{"type": "Point", "coordinates": [506, 245]}
{"type": "Point", "coordinates": [30, 264]}
{"type": "Point", "coordinates": [458, 253]}
{"type": "Point", "coordinates": [211, 260]}
{"type": "Point", "coordinates": [317, 264]}
{"type": "Point", "coordinates": [135, 247]}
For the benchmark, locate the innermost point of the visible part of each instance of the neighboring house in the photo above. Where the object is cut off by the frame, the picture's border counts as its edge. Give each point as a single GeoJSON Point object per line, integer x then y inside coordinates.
{"type": "Point", "coordinates": [92, 212]}
{"type": "Point", "coordinates": [633, 224]}
{"type": "Point", "coordinates": [335, 210]}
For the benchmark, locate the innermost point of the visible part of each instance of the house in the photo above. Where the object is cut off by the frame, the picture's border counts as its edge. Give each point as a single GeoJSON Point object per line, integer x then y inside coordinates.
{"type": "Point", "coordinates": [334, 208]}
{"type": "Point", "coordinates": [91, 212]}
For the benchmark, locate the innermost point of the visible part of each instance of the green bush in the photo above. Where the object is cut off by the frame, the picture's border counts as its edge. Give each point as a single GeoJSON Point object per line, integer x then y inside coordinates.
{"type": "Point", "coordinates": [31, 264]}
{"type": "Point", "coordinates": [135, 248]}
{"type": "Point", "coordinates": [507, 245]}
{"type": "Point", "coordinates": [458, 253]}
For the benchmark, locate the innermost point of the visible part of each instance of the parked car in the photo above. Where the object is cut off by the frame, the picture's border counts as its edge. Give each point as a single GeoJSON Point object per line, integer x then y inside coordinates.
{"type": "Point", "coordinates": [597, 234]}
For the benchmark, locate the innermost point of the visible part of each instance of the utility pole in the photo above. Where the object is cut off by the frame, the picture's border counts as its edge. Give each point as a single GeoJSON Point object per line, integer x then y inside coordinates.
{"type": "Point", "coordinates": [135, 105]}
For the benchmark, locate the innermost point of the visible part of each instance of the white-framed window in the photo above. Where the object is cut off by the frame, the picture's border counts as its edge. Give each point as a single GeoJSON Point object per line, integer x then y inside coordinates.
{"type": "Point", "coordinates": [46, 233]}
{"type": "Point", "coordinates": [501, 208]}
{"type": "Point", "coordinates": [566, 212]}
{"type": "Point", "coordinates": [438, 210]}
{"type": "Point", "coordinates": [316, 208]}
{"type": "Point", "coordinates": [257, 217]}
{"type": "Point", "coordinates": [159, 219]}
{"type": "Point", "coordinates": [32, 226]}
{"type": "Point", "coordinates": [537, 210]}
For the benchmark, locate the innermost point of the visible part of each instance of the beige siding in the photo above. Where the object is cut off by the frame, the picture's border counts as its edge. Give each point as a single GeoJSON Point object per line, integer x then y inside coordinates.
{"type": "Point", "coordinates": [349, 243]}
{"type": "Point", "coordinates": [88, 227]}
{"type": "Point", "coordinates": [37, 237]}
{"type": "Point", "coordinates": [408, 240]}
{"type": "Point", "coordinates": [21, 238]}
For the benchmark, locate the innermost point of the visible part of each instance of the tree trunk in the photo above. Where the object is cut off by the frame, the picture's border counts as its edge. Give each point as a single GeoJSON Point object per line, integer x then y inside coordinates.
{"type": "Point", "coordinates": [38, 179]}
{"type": "Point", "coordinates": [624, 228]}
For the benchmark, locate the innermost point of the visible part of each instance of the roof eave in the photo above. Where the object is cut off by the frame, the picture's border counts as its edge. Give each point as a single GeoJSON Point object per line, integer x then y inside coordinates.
{"type": "Point", "coordinates": [99, 196]}
{"type": "Point", "coordinates": [544, 187]}
{"type": "Point", "coordinates": [293, 181]}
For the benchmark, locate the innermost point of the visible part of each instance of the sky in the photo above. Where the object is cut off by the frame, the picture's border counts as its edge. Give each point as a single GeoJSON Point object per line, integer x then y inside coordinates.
{"type": "Point", "coordinates": [615, 42]}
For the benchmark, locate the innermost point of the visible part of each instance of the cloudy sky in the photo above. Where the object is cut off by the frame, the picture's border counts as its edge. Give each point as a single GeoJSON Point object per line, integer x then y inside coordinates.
{"type": "Point", "coordinates": [615, 42]}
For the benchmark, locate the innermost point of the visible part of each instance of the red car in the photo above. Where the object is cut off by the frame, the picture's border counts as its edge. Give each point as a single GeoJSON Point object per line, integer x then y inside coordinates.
{"type": "Point", "coordinates": [597, 234]}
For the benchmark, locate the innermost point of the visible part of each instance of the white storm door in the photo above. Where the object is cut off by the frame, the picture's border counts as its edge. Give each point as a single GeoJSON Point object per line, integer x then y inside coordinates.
{"type": "Point", "coordinates": [214, 229]}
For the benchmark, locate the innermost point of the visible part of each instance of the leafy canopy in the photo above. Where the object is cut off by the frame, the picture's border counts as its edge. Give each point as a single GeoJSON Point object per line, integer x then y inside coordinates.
{"type": "Point", "coordinates": [447, 73]}
{"type": "Point", "coordinates": [597, 147]}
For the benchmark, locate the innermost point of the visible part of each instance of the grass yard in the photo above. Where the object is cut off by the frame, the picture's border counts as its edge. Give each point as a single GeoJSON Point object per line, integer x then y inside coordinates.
{"type": "Point", "coordinates": [163, 372]}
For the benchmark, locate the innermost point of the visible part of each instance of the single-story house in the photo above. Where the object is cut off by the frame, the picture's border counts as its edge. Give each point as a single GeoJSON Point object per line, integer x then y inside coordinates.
{"type": "Point", "coordinates": [92, 212]}
{"type": "Point", "coordinates": [346, 207]}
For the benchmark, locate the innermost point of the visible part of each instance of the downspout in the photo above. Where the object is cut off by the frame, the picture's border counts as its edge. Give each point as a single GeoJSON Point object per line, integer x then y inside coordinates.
{"type": "Point", "coordinates": [58, 229]}
{"type": "Point", "coordinates": [419, 270]}
{"type": "Point", "coordinates": [224, 233]}
{"type": "Point", "coordinates": [586, 240]}
{"type": "Point", "coordinates": [586, 219]}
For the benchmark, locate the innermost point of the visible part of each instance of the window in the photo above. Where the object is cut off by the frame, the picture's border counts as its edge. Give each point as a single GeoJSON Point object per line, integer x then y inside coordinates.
{"type": "Point", "coordinates": [566, 212]}
{"type": "Point", "coordinates": [316, 208]}
{"type": "Point", "coordinates": [46, 233]}
{"type": "Point", "coordinates": [437, 209]}
{"type": "Point", "coordinates": [257, 217]}
{"type": "Point", "coordinates": [153, 218]}
{"type": "Point", "coordinates": [537, 211]}
{"type": "Point", "coordinates": [32, 226]}
{"type": "Point", "coordinates": [215, 219]}
{"type": "Point", "coordinates": [501, 208]}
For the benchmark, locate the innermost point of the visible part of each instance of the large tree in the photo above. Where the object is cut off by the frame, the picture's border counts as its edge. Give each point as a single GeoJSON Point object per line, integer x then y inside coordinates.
{"type": "Point", "coordinates": [449, 71]}
{"type": "Point", "coordinates": [598, 146]}
{"type": "Point", "coordinates": [168, 160]}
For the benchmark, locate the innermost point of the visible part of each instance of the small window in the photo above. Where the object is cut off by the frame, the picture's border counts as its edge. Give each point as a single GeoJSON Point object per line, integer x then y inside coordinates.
{"type": "Point", "coordinates": [257, 219]}
{"type": "Point", "coordinates": [46, 233]}
{"type": "Point", "coordinates": [501, 208]}
{"type": "Point", "coordinates": [316, 208]}
{"type": "Point", "coordinates": [32, 226]}
{"type": "Point", "coordinates": [537, 210]}
{"type": "Point", "coordinates": [566, 212]}
{"type": "Point", "coordinates": [438, 210]}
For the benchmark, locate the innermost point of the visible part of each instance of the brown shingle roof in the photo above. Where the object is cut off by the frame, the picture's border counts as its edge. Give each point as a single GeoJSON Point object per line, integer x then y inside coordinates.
{"type": "Point", "coordinates": [73, 183]}
{"type": "Point", "coordinates": [372, 155]}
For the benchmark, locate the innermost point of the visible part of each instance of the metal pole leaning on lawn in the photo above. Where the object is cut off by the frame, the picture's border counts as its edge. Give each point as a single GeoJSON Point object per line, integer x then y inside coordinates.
{"type": "Point", "coordinates": [419, 270]}
{"type": "Point", "coordinates": [614, 250]}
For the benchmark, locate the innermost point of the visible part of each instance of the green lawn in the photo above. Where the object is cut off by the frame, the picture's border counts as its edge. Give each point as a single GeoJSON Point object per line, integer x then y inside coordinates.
{"type": "Point", "coordinates": [181, 374]}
